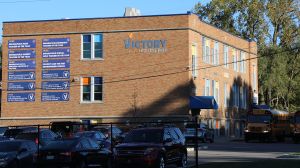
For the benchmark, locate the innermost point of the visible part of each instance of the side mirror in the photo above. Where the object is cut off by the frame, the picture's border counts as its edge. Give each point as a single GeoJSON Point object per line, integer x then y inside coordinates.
{"type": "Point", "coordinates": [168, 140]}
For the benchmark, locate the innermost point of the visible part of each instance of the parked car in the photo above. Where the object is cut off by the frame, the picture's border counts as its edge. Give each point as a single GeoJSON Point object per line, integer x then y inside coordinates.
{"type": "Point", "coordinates": [2, 130]}
{"type": "Point", "coordinates": [152, 147]}
{"type": "Point", "coordinates": [97, 136]}
{"type": "Point", "coordinates": [204, 133]}
{"type": "Point", "coordinates": [66, 129]}
{"type": "Point", "coordinates": [76, 153]}
{"type": "Point", "coordinates": [3, 138]}
{"type": "Point", "coordinates": [13, 132]}
{"type": "Point", "coordinates": [17, 154]}
{"type": "Point", "coordinates": [45, 137]}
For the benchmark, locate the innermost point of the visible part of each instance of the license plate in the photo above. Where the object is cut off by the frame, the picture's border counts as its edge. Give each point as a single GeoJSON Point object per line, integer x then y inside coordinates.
{"type": "Point", "coordinates": [50, 157]}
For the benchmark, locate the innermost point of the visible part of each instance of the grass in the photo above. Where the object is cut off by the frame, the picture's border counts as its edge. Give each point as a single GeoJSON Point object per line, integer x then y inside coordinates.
{"type": "Point", "coordinates": [284, 163]}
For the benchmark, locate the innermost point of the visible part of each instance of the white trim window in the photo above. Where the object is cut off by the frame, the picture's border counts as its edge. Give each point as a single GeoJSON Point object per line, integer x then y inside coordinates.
{"type": "Point", "coordinates": [207, 87]}
{"type": "Point", "coordinates": [243, 63]}
{"type": "Point", "coordinates": [194, 60]}
{"type": "Point", "coordinates": [216, 90]}
{"type": "Point", "coordinates": [92, 89]}
{"type": "Point", "coordinates": [226, 95]}
{"type": "Point", "coordinates": [92, 46]}
{"type": "Point", "coordinates": [234, 59]}
{"type": "Point", "coordinates": [215, 54]}
{"type": "Point", "coordinates": [205, 50]}
{"type": "Point", "coordinates": [226, 59]}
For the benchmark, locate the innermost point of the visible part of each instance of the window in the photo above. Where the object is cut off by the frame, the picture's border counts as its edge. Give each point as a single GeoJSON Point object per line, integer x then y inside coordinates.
{"type": "Point", "coordinates": [205, 50]}
{"type": "Point", "coordinates": [194, 61]}
{"type": "Point", "coordinates": [234, 59]}
{"type": "Point", "coordinates": [254, 77]}
{"type": "Point", "coordinates": [92, 89]}
{"type": "Point", "coordinates": [235, 95]}
{"type": "Point", "coordinates": [226, 96]}
{"type": "Point", "coordinates": [226, 56]}
{"type": "Point", "coordinates": [242, 63]}
{"type": "Point", "coordinates": [216, 91]}
{"type": "Point", "coordinates": [237, 61]}
{"type": "Point", "coordinates": [92, 46]}
{"type": "Point", "coordinates": [207, 87]}
{"type": "Point", "coordinates": [215, 54]}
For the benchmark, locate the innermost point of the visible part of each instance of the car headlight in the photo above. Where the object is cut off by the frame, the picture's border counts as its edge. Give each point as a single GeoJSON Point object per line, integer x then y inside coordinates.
{"type": "Point", "coordinates": [246, 130]}
{"type": "Point", "coordinates": [149, 151]}
{"type": "Point", "coordinates": [265, 131]}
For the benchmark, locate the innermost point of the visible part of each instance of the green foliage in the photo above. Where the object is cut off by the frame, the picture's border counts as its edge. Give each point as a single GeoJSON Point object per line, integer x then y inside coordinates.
{"type": "Point", "coordinates": [274, 25]}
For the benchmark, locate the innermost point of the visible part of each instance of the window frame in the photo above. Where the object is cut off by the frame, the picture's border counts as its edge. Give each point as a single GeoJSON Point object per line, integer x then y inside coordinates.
{"type": "Point", "coordinates": [92, 47]}
{"type": "Point", "coordinates": [194, 61]}
{"type": "Point", "coordinates": [92, 93]}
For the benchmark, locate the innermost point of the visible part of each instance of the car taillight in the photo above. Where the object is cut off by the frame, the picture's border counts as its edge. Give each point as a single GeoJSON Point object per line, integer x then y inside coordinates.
{"type": "Point", "coordinates": [36, 140]}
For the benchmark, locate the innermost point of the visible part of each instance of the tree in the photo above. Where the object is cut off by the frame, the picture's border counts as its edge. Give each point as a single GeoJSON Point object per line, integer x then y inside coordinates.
{"type": "Point", "coordinates": [274, 25]}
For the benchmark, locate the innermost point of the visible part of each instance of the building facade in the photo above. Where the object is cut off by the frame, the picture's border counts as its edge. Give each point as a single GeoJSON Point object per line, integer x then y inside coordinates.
{"type": "Point", "coordinates": [124, 67]}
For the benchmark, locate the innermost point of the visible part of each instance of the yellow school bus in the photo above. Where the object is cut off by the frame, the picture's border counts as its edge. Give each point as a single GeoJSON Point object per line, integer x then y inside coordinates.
{"type": "Point", "coordinates": [266, 125]}
{"type": "Point", "coordinates": [295, 126]}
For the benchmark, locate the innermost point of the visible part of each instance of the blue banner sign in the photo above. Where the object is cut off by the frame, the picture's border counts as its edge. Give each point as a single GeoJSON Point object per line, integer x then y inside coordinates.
{"type": "Point", "coordinates": [62, 63]}
{"type": "Point", "coordinates": [20, 97]}
{"type": "Point", "coordinates": [21, 54]}
{"type": "Point", "coordinates": [56, 74]}
{"type": "Point", "coordinates": [56, 42]}
{"type": "Point", "coordinates": [30, 75]}
{"type": "Point", "coordinates": [21, 65]}
{"type": "Point", "coordinates": [55, 96]}
{"type": "Point", "coordinates": [56, 85]}
{"type": "Point", "coordinates": [20, 86]}
{"type": "Point", "coordinates": [25, 43]}
{"type": "Point", "coordinates": [56, 53]}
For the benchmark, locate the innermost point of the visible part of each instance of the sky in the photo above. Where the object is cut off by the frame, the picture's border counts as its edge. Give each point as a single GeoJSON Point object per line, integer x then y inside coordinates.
{"type": "Point", "coordinates": [22, 10]}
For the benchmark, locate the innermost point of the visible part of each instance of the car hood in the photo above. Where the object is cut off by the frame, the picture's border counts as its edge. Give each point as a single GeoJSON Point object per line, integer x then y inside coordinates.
{"type": "Point", "coordinates": [7, 154]}
{"type": "Point", "coordinates": [138, 145]}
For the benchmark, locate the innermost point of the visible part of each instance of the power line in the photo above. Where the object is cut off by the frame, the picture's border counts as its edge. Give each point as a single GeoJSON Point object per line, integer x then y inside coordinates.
{"type": "Point", "coordinates": [25, 1]}
{"type": "Point", "coordinates": [182, 71]}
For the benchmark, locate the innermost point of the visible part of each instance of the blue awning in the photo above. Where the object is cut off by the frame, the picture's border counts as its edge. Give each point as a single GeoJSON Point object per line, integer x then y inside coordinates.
{"type": "Point", "coordinates": [203, 102]}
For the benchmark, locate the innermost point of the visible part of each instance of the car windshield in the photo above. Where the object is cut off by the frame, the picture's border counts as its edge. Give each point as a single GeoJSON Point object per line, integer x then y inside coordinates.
{"type": "Point", "coordinates": [61, 144]}
{"type": "Point", "coordinates": [297, 119]}
{"type": "Point", "coordinates": [9, 146]}
{"type": "Point", "coordinates": [12, 132]}
{"type": "Point", "coordinates": [2, 130]}
{"type": "Point", "coordinates": [89, 135]}
{"type": "Point", "coordinates": [259, 118]}
{"type": "Point", "coordinates": [144, 135]}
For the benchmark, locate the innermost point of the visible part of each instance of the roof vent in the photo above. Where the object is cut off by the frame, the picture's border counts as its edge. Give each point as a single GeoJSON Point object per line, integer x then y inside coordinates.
{"type": "Point", "coordinates": [132, 12]}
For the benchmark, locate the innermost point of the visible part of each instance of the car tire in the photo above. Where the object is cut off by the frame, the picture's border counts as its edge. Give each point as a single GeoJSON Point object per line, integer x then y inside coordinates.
{"type": "Point", "coordinates": [183, 161]}
{"type": "Point", "coordinates": [14, 164]}
{"type": "Point", "coordinates": [80, 164]}
{"type": "Point", "coordinates": [212, 140]}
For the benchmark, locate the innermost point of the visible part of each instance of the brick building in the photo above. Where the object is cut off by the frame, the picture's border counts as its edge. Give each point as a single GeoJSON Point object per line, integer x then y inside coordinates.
{"type": "Point", "coordinates": [124, 66]}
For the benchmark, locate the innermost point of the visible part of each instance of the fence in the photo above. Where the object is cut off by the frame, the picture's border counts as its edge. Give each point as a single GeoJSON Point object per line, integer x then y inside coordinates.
{"type": "Point", "coordinates": [65, 129]}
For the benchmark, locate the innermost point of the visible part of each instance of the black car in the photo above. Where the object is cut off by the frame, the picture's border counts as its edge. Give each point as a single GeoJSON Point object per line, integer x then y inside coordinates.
{"type": "Point", "coordinates": [66, 129]}
{"type": "Point", "coordinates": [97, 136]}
{"type": "Point", "coordinates": [205, 134]}
{"type": "Point", "coordinates": [13, 132]}
{"type": "Point", "coordinates": [75, 153]}
{"type": "Point", "coordinates": [45, 137]}
{"type": "Point", "coordinates": [2, 130]}
{"type": "Point", "coordinates": [152, 147]}
{"type": "Point", "coordinates": [17, 154]}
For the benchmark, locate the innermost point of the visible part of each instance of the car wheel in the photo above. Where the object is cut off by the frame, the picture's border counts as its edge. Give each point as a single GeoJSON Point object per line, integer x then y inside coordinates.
{"type": "Point", "coordinates": [81, 164]}
{"type": "Point", "coordinates": [212, 139]}
{"type": "Point", "coordinates": [108, 164]}
{"type": "Point", "coordinates": [183, 162]}
{"type": "Point", "coordinates": [14, 164]}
